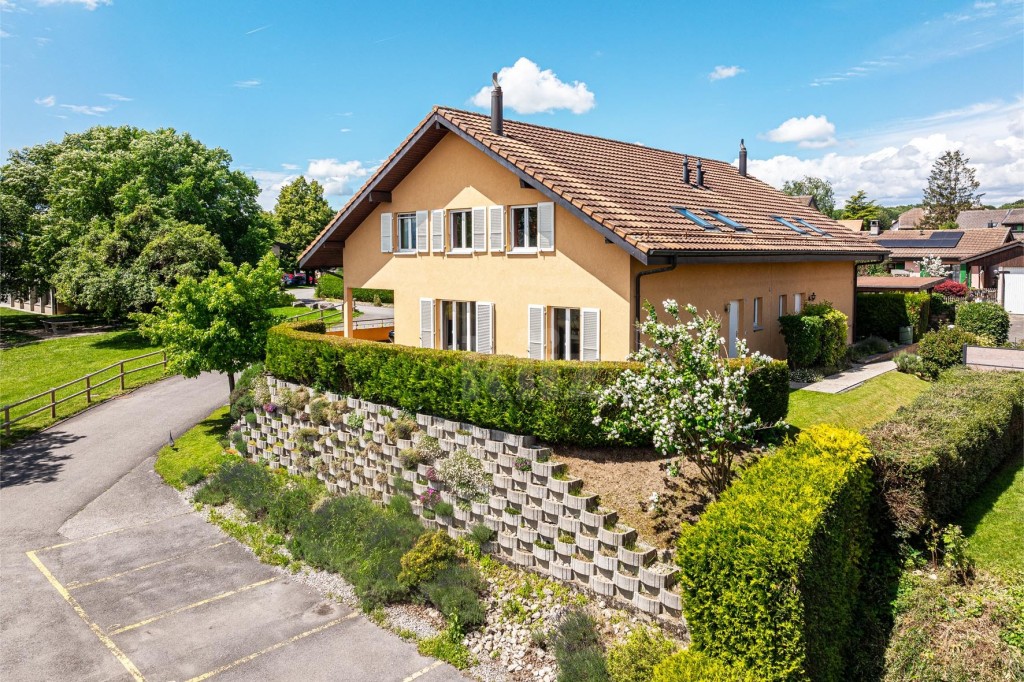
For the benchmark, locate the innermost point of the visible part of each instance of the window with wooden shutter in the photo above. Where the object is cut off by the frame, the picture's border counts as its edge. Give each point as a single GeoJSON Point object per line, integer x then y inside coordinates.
{"type": "Point", "coordinates": [535, 332]}
{"type": "Point", "coordinates": [386, 233]}
{"type": "Point", "coordinates": [437, 231]}
{"type": "Point", "coordinates": [590, 323]}
{"type": "Point", "coordinates": [421, 231]}
{"type": "Point", "coordinates": [479, 228]}
{"type": "Point", "coordinates": [426, 323]}
{"type": "Point", "coordinates": [485, 328]}
{"type": "Point", "coordinates": [496, 220]}
{"type": "Point", "coordinates": [546, 226]}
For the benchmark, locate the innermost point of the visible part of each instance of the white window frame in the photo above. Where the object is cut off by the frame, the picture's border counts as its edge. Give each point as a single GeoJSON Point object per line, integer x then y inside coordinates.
{"type": "Point", "coordinates": [467, 230]}
{"type": "Point", "coordinates": [527, 248]}
{"type": "Point", "coordinates": [467, 324]}
{"type": "Point", "coordinates": [554, 313]}
{"type": "Point", "coordinates": [798, 303]}
{"type": "Point", "coordinates": [783, 303]}
{"type": "Point", "coordinates": [758, 313]}
{"type": "Point", "coordinates": [406, 223]}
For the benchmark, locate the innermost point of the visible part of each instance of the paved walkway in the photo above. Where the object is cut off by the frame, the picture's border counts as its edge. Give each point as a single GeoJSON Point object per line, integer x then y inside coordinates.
{"type": "Point", "coordinates": [851, 378]}
{"type": "Point", "coordinates": [108, 575]}
{"type": "Point", "coordinates": [1017, 328]}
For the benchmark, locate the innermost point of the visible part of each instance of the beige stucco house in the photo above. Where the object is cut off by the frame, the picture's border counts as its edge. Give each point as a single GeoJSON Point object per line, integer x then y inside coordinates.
{"type": "Point", "coordinates": [505, 237]}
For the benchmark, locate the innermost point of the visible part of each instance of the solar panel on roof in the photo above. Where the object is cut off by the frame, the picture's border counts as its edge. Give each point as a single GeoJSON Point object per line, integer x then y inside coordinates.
{"type": "Point", "coordinates": [916, 244]}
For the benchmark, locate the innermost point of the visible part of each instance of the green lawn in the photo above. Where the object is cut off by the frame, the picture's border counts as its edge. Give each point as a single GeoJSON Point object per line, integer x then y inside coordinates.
{"type": "Point", "coordinates": [873, 401]}
{"type": "Point", "coordinates": [199, 448]}
{"type": "Point", "coordinates": [330, 317]}
{"type": "Point", "coordinates": [994, 521]}
{"type": "Point", "coordinates": [36, 367]}
{"type": "Point", "coordinates": [15, 323]}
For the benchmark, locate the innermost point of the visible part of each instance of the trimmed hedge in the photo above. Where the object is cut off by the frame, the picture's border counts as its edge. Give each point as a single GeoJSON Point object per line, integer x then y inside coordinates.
{"type": "Point", "coordinates": [771, 572]}
{"type": "Point", "coordinates": [944, 348]}
{"type": "Point", "coordinates": [550, 399]}
{"type": "Point", "coordinates": [331, 286]}
{"type": "Point", "coordinates": [816, 336]}
{"type": "Point", "coordinates": [984, 319]}
{"type": "Point", "coordinates": [932, 455]}
{"type": "Point", "coordinates": [882, 314]}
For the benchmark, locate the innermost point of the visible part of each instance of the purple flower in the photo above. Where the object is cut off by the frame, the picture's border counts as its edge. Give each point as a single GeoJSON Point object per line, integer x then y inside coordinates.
{"type": "Point", "coordinates": [269, 408]}
{"type": "Point", "coordinates": [430, 497]}
{"type": "Point", "coordinates": [431, 474]}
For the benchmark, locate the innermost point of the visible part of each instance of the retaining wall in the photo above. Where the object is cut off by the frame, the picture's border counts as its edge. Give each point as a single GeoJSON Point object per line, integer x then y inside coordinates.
{"type": "Point", "coordinates": [531, 498]}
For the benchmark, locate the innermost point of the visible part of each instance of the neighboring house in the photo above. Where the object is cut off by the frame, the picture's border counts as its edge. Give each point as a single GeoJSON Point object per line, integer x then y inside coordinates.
{"type": "Point", "coordinates": [505, 237]}
{"type": "Point", "coordinates": [1000, 218]}
{"type": "Point", "coordinates": [38, 301]}
{"type": "Point", "coordinates": [853, 225]}
{"type": "Point", "coordinates": [909, 219]}
{"type": "Point", "coordinates": [974, 255]}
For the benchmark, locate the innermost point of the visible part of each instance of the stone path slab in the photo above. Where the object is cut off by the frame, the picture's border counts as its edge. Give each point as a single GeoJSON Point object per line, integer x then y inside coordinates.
{"type": "Point", "coordinates": [851, 378]}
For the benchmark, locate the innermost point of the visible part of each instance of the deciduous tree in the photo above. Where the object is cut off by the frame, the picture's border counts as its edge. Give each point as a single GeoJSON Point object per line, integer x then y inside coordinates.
{"type": "Point", "coordinates": [301, 213]}
{"type": "Point", "coordinates": [821, 190]}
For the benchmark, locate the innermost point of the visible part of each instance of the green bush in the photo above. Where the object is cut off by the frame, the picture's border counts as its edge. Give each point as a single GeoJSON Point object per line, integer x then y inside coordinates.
{"type": "Point", "coordinates": [634, 659]}
{"type": "Point", "coordinates": [932, 455]}
{"type": "Point", "coordinates": [432, 553]}
{"type": "Point", "coordinates": [771, 572]}
{"type": "Point", "coordinates": [448, 647]}
{"type": "Point", "coordinates": [943, 349]}
{"type": "Point", "coordinates": [816, 336]}
{"type": "Point", "coordinates": [252, 488]}
{"type": "Point", "coordinates": [289, 506]}
{"type": "Point", "coordinates": [883, 314]}
{"type": "Point", "coordinates": [577, 647]}
{"type": "Point", "coordinates": [212, 494]}
{"type": "Point", "coordinates": [242, 397]}
{"type": "Point", "coordinates": [553, 400]}
{"type": "Point", "coordinates": [192, 475]}
{"type": "Point", "coordinates": [984, 319]}
{"type": "Point", "coordinates": [909, 363]}
{"type": "Point", "coordinates": [455, 592]}
{"type": "Point", "coordinates": [695, 666]}
{"type": "Point", "coordinates": [941, 310]}
{"type": "Point", "coordinates": [481, 534]}
{"type": "Point", "coordinates": [332, 286]}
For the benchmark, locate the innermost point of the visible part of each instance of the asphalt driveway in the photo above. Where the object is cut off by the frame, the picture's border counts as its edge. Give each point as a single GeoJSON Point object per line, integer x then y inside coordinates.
{"type": "Point", "coordinates": [108, 575]}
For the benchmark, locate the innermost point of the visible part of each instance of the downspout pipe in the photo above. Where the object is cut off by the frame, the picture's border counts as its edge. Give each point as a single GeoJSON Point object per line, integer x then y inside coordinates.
{"type": "Point", "coordinates": [637, 298]}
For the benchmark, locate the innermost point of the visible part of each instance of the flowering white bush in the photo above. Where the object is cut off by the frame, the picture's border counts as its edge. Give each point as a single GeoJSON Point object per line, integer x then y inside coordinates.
{"type": "Point", "coordinates": [933, 267]}
{"type": "Point", "coordinates": [686, 394]}
{"type": "Point", "coordinates": [463, 473]}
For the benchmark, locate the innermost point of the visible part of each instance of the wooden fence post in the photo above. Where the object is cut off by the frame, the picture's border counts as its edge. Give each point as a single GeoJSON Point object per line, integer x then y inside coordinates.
{"type": "Point", "coordinates": [122, 375]}
{"type": "Point", "coordinates": [88, 389]}
{"type": "Point", "coordinates": [7, 420]}
{"type": "Point", "coordinates": [53, 404]}
{"type": "Point", "coordinates": [165, 361]}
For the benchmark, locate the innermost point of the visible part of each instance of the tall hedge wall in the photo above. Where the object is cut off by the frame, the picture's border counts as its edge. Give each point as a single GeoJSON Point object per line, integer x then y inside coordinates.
{"type": "Point", "coordinates": [932, 455]}
{"type": "Point", "coordinates": [550, 399]}
{"type": "Point", "coordinates": [770, 573]}
{"type": "Point", "coordinates": [331, 286]}
{"type": "Point", "coordinates": [882, 314]}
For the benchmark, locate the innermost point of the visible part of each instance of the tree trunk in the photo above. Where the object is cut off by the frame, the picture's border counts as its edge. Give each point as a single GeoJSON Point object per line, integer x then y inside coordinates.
{"type": "Point", "coordinates": [231, 382]}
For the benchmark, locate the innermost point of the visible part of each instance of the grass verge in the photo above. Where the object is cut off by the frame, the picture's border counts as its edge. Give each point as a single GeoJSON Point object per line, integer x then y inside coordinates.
{"type": "Point", "coordinates": [993, 523]}
{"type": "Point", "coordinates": [198, 449]}
{"type": "Point", "coordinates": [875, 400]}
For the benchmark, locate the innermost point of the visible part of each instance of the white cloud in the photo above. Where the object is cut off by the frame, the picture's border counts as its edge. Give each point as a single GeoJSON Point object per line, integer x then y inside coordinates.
{"type": "Point", "coordinates": [87, 4]}
{"type": "Point", "coordinates": [86, 110]}
{"type": "Point", "coordinates": [339, 178]}
{"type": "Point", "coordinates": [46, 101]}
{"type": "Point", "coordinates": [892, 165]}
{"type": "Point", "coordinates": [8, 6]}
{"type": "Point", "coordinates": [346, 130]}
{"type": "Point", "coordinates": [809, 132]}
{"type": "Point", "coordinates": [721, 72]}
{"type": "Point", "coordinates": [257, 30]}
{"type": "Point", "coordinates": [251, 83]}
{"type": "Point", "coordinates": [41, 41]}
{"type": "Point", "coordinates": [984, 5]}
{"type": "Point", "coordinates": [5, 34]}
{"type": "Point", "coordinates": [528, 90]}
{"type": "Point", "coordinates": [116, 97]}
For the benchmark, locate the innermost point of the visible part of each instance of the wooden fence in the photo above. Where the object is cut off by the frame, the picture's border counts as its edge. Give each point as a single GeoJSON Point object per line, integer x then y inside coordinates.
{"type": "Point", "coordinates": [90, 386]}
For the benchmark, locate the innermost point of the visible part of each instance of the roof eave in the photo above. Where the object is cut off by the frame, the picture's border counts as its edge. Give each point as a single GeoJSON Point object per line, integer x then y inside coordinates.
{"type": "Point", "coordinates": [785, 256]}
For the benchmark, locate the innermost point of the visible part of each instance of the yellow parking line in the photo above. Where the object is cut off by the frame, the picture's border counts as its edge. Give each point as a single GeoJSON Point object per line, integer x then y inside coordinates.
{"type": "Point", "coordinates": [420, 673]}
{"type": "Point", "coordinates": [222, 595]}
{"type": "Point", "coordinates": [272, 647]}
{"type": "Point", "coordinates": [75, 585]}
{"type": "Point", "coordinates": [107, 642]}
{"type": "Point", "coordinates": [109, 532]}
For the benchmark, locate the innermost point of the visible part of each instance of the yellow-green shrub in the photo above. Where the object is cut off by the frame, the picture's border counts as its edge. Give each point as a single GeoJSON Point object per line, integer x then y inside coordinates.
{"type": "Point", "coordinates": [432, 553]}
{"type": "Point", "coordinates": [770, 574]}
{"type": "Point", "coordinates": [695, 666]}
{"type": "Point", "coordinates": [634, 659]}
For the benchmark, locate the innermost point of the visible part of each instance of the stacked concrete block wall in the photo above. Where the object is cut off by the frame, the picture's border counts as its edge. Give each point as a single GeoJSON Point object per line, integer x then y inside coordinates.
{"type": "Point", "coordinates": [543, 519]}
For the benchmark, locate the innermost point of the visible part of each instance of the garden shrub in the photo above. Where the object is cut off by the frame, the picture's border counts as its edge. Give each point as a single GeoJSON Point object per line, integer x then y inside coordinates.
{"type": "Point", "coordinates": [816, 336]}
{"type": "Point", "coordinates": [481, 534]}
{"type": "Point", "coordinates": [448, 647]}
{"type": "Point", "coordinates": [690, 665]}
{"type": "Point", "coordinates": [213, 494]}
{"type": "Point", "coordinates": [932, 455]}
{"type": "Point", "coordinates": [634, 659]}
{"type": "Point", "coordinates": [289, 506]}
{"type": "Point", "coordinates": [553, 400]}
{"type": "Point", "coordinates": [910, 363]}
{"type": "Point", "coordinates": [243, 397]}
{"type": "Point", "coordinates": [463, 474]}
{"type": "Point", "coordinates": [455, 592]}
{"type": "Point", "coordinates": [577, 647]}
{"type": "Point", "coordinates": [984, 319]}
{"type": "Point", "coordinates": [253, 488]}
{"type": "Point", "coordinates": [771, 572]}
{"type": "Point", "coordinates": [331, 286]}
{"type": "Point", "coordinates": [943, 349]}
{"type": "Point", "coordinates": [882, 314]}
{"type": "Point", "coordinates": [951, 288]}
{"type": "Point", "coordinates": [432, 553]}
{"type": "Point", "coordinates": [941, 311]}
{"type": "Point", "coordinates": [192, 475]}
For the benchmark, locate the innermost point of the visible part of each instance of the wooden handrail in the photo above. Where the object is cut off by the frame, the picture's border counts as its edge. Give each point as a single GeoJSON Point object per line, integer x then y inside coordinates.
{"type": "Point", "coordinates": [320, 311]}
{"type": "Point", "coordinates": [89, 388]}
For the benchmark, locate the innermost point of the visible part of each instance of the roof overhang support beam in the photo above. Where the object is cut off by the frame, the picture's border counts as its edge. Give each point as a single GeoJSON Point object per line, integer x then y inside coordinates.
{"type": "Point", "coordinates": [377, 196]}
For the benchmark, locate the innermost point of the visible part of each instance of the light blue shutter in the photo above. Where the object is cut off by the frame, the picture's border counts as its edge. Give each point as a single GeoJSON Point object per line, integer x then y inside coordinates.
{"type": "Point", "coordinates": [485, 328]}
{"type": "Point", "coordinates": [535, 332]}
{"type": "Point", "coordinates": [496, 218]}
{"type": "Point", "coordinates": [426, 323]}
{"type": "Point", "coordinates": [421, 231]}
{"type": "Point", "coordinates": [546, 226]}
{"type": "Point", "coordinates": [386, 233]}
{"type": "Point", "coordinates": [479, 228]}
{"type": "Point", "coordinates": [590, 334]}
{"type": "Point", "coordinates": [437, 230]}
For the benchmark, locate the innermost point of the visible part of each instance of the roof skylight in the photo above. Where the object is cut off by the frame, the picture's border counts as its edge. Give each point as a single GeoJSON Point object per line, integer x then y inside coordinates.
{"type": "Point", "coordinates": [812, 227]}
{"type": "Point", "coordinates": [798, 230]}
{"type": "Point", "coordinates": [725, 220]}
{"type": "Point", "coordinates": [696, 219]}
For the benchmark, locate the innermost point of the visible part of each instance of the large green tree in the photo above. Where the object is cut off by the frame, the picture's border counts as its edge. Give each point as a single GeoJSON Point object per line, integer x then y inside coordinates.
{"type": "Point", "coordinates": [218, 323]}
{"type": "Point", "coordinates": [820, 189]}
{"type": "Point", "coordinates": [859, 207]}
{"type": "Point", "coordinates": [109, 215]}
{"type": "Point", "coordinates": [301, 213]}
{"type": "Point", "coordinates": [951, 188]}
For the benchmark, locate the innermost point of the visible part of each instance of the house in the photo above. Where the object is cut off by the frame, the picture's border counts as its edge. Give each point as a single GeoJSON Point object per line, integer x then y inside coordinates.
{"type": "Point", "coordinates": [506, 237]}
{"type": "Point", "coordinates": [41, 301]}
{"type": "Point", "coordinates": [909, 219]}
{"type": "Point", "coordinates": [974, 255]}
{"type": "Point", "coordinates": [977, 219]}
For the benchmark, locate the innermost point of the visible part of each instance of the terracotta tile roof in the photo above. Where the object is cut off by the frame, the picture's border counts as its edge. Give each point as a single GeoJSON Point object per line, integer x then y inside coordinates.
{"type": "Point", "coordinates": [853, 225]}
{"type": "Point", "coordinates": [628, 192]}
{"type": "Point", "coordinates": [909, 219]}
{"type": "Point", "coordinates": [972, 243]}
{"type": "Point", "coordinates": [1015, 216]}
{"type": "Point", "coordinates": [977, 219]}
{"type": "Point", "coordinates": [897, 283]}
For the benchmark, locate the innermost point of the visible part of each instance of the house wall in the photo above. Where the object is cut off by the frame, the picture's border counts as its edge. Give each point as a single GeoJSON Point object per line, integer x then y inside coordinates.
{"type": "Point", "coordinates": [984, 270]}
{"type": "Point", "coordinates": [41, 301]}
{"type": "Point", "coordinates": [582, 272]}
{"type": "Point", "coordinates": [711, 287]}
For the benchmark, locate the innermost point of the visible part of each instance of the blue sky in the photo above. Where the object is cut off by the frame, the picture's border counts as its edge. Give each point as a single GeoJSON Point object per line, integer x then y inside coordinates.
{"type": "Point", "coordinates": [864, 93]}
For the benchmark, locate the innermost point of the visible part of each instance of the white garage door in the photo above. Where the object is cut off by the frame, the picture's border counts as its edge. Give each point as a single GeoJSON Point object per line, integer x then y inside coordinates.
{"type": "Point", "coordinates": [1013, 292]}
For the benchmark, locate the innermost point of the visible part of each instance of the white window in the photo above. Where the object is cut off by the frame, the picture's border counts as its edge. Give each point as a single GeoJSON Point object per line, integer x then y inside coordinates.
{"type": "Point", "coordinates": [782, 305]}
{"type": "Point", "coordinates": [565, 333]}
{"type": "Point", "coordinates": [406, 232]}
{"type": "Point", "coordinates": [757, 313]}
{"type": "Point", "coordinates": [798, 303]}
{"type": "Point", "coordinates": [461, 223]}
{"type": "Point", "coordinates": [524, 228]}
